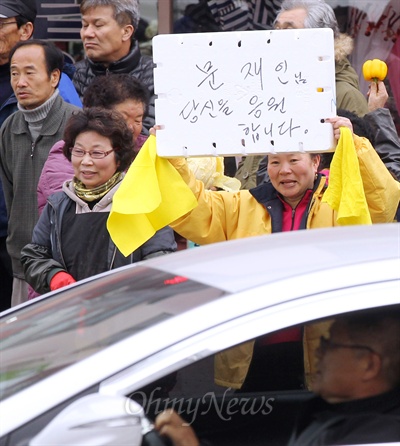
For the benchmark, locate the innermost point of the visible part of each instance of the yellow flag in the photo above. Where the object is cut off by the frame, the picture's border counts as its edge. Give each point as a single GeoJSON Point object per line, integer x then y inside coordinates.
{"type": "Point", "coordinates": [345, 192]}
{"type": "Point", "coordinates": [151, 196]}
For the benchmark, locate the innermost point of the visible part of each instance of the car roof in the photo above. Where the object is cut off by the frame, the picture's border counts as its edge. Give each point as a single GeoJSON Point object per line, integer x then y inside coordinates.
{"type": "Point", "coordinates": [245, 263]}
{"type": "Point", "coordinates": [239, 265]}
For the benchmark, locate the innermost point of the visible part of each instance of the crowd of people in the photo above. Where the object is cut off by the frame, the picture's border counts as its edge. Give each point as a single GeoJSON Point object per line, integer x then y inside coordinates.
{"type": "Point", "coordinates": [36, 102]}
{"type": "Point", "coordinates": [66, 143]}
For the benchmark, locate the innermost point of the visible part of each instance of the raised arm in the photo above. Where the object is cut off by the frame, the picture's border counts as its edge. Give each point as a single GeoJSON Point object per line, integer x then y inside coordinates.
{"type": "Point", "coordinates": [387, 142]}
{"type": "Point", "coordinates": [381, 190]}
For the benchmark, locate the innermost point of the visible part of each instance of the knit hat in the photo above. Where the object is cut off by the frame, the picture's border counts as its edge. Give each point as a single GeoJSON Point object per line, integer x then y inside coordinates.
{"type": "Point", "coordinates": [13, 8]}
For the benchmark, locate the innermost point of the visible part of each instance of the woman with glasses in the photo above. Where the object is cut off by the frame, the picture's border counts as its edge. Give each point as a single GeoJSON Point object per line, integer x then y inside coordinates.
{"type": "Point", "coordinates": [70, 241]}
{"type": "Point", "coordinates": [119, 92]}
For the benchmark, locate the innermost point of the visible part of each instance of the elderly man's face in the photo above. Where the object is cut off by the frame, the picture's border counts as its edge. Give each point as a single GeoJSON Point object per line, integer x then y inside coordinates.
{"type": "Point", "coordinates": [339, 366]}
{"type": "Point", "coordinates": [104, 39]}
{"type": "Point", "coordinates": [29, 77]}
{"type": "Point", "coordinates": [293, 19]}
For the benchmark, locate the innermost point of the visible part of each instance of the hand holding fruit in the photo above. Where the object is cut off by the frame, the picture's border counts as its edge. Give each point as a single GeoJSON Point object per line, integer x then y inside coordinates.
{"type": "Point", "coordinates": [374, 70]}
{"type": "Point", "coordinates": [377, 96]}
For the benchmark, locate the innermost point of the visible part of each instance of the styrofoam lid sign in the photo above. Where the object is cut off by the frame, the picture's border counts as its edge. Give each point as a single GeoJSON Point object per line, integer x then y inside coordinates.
{"type": "Point", "coordinates": [238, 93]}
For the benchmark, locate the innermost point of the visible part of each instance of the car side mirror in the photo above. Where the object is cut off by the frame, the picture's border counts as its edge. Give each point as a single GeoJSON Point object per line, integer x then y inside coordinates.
{"type": "Point", "coordinates": [96, 419]}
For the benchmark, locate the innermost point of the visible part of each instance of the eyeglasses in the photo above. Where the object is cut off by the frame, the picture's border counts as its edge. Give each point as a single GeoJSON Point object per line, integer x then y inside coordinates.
{"type": "Point", "coordinates": [2, 24]}
{"type": "Point", "coordinates": [95, 154]}
{"type": "Point", "coordinates": [326, 344]}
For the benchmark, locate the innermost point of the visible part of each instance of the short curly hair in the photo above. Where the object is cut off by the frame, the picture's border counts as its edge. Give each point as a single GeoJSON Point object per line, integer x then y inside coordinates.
{"type": "Point", "coordinates": [107, 123]}
{"type": "Point", "coordinates": [109, 91]}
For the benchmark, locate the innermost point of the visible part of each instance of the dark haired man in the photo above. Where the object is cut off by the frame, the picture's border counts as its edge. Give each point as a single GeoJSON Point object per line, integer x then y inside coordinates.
{"type": "Point", "coordinates": [107, 33]}
{"type": "Point", "coordinates": [26, 138]}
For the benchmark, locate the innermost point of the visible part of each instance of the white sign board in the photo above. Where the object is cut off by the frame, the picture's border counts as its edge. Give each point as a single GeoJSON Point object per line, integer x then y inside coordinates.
{"type": "Point", "coordinates": [238, 93]}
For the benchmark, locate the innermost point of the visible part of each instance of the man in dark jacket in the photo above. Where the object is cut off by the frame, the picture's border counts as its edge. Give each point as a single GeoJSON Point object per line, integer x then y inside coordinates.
{"type": "Point", "coordinates": [357, 385]}
{"type": "Point", "coordinates": [107, 34]}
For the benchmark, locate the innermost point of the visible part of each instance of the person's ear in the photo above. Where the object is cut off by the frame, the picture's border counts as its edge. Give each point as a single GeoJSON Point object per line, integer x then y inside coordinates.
{"type": "Point", "coordinates": [127, 32]}
{"type": "Point", "coordinates": [26, 31]}
{"type": "Point", "coordinates": [372, 366]}
{"type": "Point", "coordinates": [316, 162]}
{"type": "Point", "coordinates": [55, 77]}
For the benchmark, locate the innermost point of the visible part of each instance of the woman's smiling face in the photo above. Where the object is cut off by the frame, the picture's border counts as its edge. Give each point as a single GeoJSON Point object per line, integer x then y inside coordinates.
{"type": "Point", "coordinates": [93, 172]}
{"type": "Point", "coordinates": [292, 174]}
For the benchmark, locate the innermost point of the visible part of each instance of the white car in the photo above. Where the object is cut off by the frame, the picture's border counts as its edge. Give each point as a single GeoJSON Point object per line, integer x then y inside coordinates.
{"type": "Point", "coordinates": [76, 363]}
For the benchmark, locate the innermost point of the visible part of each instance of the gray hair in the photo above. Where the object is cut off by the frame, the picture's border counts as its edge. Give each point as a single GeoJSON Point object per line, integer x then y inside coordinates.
{"type": "Point", "coordinates": [125, 11]}
{"type": "Point", "coordinates": [319, 13]}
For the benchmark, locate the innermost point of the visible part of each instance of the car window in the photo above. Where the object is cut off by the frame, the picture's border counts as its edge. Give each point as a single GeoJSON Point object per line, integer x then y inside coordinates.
{"type": "Point", "coordinates": [264, 409]}
{"type": "Point", "coordinates": [265, 406]}
{"type": "Point", "coordinates": [41, 339]}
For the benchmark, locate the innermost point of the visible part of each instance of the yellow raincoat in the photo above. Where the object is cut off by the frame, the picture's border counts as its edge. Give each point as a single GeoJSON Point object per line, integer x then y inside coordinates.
{"type": "Point", "coordinates": [226, 216]}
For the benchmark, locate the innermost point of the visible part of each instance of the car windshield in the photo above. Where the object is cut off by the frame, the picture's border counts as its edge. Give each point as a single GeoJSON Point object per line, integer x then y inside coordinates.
{"type": "Point", "coordinates": [41, 339]}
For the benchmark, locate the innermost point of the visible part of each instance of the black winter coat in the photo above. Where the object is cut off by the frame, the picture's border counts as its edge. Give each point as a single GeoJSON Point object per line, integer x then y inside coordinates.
{"type": "Point", "coordinates": [43, 258]}
{"type": "Point", "coordinates": [363, 421]}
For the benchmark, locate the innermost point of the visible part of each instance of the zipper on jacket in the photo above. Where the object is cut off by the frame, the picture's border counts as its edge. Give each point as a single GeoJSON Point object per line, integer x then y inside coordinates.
{"type": "Point", "coordinates": [113, 258]}
{"type": "Point", "coordinates": [57, 234]}
{"type": "Point", "coordinates": [312, 202]}
{"type": "Point", "coordinates": [310, 206]}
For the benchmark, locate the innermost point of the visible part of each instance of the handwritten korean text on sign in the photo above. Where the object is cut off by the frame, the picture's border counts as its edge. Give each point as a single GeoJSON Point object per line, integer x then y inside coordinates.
{"type": "Point", "coordinates": [244, 93]}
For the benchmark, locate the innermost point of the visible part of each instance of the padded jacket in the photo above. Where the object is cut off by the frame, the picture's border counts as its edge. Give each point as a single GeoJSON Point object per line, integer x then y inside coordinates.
{"type": "Point", "coordinates": [43, 258]}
